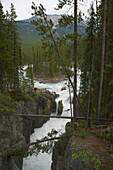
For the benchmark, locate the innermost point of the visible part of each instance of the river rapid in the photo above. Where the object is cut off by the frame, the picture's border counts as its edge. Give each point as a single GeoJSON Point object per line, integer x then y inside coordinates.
{"type": "Point", "coordinates": [43, 160]}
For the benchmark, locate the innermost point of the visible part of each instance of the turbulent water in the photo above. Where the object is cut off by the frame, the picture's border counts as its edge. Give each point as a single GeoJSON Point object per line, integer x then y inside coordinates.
{"type": "Point", "coordinates": [43, 160]}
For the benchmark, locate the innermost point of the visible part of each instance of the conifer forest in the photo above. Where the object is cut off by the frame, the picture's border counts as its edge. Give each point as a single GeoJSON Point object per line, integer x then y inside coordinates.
{"type": "Point", "coordinates": [72, 47]}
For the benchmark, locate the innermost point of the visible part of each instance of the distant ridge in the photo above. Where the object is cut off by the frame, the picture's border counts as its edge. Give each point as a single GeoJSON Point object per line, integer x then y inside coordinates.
{"type": "Point", "coordinates": [54, 18]}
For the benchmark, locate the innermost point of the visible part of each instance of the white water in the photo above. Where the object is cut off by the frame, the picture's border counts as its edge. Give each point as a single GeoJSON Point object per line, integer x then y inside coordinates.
{"type": "Point", "coordinates": [43, 160]}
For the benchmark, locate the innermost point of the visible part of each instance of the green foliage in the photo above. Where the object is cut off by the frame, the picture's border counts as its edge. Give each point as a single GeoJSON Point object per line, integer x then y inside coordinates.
{"type": "Point", "coordinates": [45, 146]}
{"type": "Point", "coordinates": [88, 158]}
{"type": "Point", "coordinates": [11, 62]}
{"type": "Point", "coordinates": [110, 149]}
{"type": "Point", "coordinates": [58, 48]}
{"type": "Point", "coordinates": [107, 135]}
{"type": "Point", "coordinates": [29, 39]}
{"type": "Point", "coordinates": [32, 40]}
{"type": "Point", "coordinates": [29, 80]}
{"type": "Point", "coordinates": [62, 3]}
{"type": "Point", "coordinates": [81, 130]}
{"type": "Point", "coordinates": [23, 95]}
{"type": "Point", "coordinates": [52, 133]}
{"type": "Point", "coordinates": [66, 20]}
{"type": "Point", "coordinates": [7, 104]}
{"type": "Point", "coordinates": [89, 62]}
{"type": "Point", "coordinates": [16, 152]}
{"type": "Point", "coordinates": [9, 50]}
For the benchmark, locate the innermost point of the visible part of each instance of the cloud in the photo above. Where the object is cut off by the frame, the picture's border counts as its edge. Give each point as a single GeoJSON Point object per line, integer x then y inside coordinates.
{"type": "Point", "coordinates": [23, 7]}
{"type": "Point", "coordinates": [20, 6]}
{"type": "Point", "coordinates": [28, 10]}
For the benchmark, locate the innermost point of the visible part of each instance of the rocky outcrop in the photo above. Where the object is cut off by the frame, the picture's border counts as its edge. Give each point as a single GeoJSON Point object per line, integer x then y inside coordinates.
{"type": "Point", "coordinates": [43, 104]}
{"type": "Point", "coordinates": [60, 107]}
{"type": "Point", "coordinates": [10, 138]}
{"type": "Point", "coordinates": [62, 156]}
{"type": "Point", "coordinates": [63, 88]}
{"type": "Point", "coordinates": [15, 131]}
{"type": "Point", "coordinates": [66, 147]}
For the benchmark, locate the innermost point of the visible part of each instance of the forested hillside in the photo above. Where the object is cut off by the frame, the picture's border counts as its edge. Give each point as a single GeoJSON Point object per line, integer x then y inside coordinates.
{"type": "Point", "coordinates": [31, 39]}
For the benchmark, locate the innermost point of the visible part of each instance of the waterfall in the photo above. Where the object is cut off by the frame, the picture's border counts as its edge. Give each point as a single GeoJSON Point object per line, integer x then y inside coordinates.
{"type": "Point", "coordinates": [43, 160]}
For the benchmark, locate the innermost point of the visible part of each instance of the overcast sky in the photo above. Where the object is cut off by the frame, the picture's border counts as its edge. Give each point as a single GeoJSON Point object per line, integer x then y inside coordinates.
{"type": "Point", "coordinates": [23, 7]}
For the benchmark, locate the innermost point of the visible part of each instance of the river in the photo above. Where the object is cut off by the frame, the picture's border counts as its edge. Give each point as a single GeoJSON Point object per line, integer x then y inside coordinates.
{"type": "Point", "coordinates": [43, 160]}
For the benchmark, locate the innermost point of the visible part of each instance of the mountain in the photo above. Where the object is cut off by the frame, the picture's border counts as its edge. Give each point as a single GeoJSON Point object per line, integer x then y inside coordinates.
{"type": "Point", "coordinates": [30, 37]}
{"type": "Point", "coordinates": [54, 18]}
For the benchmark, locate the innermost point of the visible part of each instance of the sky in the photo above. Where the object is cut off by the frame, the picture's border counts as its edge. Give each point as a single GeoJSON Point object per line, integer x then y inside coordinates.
{"type": "Point", "coordinates": [23, 7]}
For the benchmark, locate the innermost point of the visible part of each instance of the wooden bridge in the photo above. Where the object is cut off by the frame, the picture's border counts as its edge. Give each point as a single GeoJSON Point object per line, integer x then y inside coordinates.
{"type": "Point", "coordinates": [60, 117]}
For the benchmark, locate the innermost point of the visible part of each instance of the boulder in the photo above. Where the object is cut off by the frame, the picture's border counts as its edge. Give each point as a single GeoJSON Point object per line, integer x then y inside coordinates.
{"type": "Point", "coordinates": [63, 88]}
{"type": "Point", "coordinates": [60, 107]}
{"type": "Point", "coordinates": [55, 94]}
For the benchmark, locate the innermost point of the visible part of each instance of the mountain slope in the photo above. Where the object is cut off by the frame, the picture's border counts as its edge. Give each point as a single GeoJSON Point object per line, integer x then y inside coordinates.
{"type": "Point", "coordinates": [30, 37]}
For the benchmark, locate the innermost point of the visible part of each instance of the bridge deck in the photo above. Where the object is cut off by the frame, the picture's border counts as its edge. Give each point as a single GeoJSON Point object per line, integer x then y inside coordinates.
{"type": "Point", "coordinates": [44, 116]}
{"type": "Point", "coordinates": [61, 117]}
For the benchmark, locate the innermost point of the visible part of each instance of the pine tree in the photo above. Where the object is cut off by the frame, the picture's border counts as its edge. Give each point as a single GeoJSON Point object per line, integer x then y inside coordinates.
{"type": "Point", "coordinates": [2, 47]}
{"type": "Point", "coordinates": [9, 50]}
{"type": "Point", "coordinates": [91, 55]}
{"type": "Point", "coordinates": [102, 61]}
{"type": "Point", "coordinates": [87, 64]}
{"type": "Point", "coordinates": [108, 76]}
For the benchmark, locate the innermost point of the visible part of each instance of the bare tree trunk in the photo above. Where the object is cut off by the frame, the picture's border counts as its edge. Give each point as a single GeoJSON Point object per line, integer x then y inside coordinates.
{"type": "Point", "coordinates": [102, 61]}
{"type": "Point", "coordinates": [75, 61]}
{"type": "Point", "coordinates": [90, 80]}
{"type": "Point", "coordinates": [98, 34]}
{"type": "Point", "coordinates": [108, 28]}
{"type": "Point", "coordinates": [90, 91]}
{"type": "Point", "coordinates": [70, 99]}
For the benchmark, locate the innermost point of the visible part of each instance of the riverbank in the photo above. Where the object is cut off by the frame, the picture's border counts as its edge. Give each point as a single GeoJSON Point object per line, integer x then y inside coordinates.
{"type": "Point", "coordinates": [45, 79]}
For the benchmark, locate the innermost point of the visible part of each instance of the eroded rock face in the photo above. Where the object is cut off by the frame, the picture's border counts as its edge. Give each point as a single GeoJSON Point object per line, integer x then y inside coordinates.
{"type": "Point", "coordinates": [44, 104]}
{"type": "Point", "coordinates": [65, 147]}
{"type": "Point", "coordinates": [60, 107]}
{"type": "Point", "coordinates": [15, 131]}
{"type": "Point", "coordinates": [10, 138]}
{"type": "Point", "coordinates": [51, 97]}
{"type": "Point", "coordinates": [62, 156]}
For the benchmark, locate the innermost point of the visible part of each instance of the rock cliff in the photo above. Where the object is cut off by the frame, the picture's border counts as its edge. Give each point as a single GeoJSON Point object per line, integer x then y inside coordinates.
{"type": "Point", "coordinates": [15, 131]}
{"type": "Point", "coordinates": [44, 104]}
{"type": "Point", "coordinates": [99, 157]}
{"type": "Point", "coordinates": [62, 156]}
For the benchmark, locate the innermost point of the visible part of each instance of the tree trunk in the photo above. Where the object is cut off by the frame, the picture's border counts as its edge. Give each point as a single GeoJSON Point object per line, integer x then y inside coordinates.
{"type": "Point", "coordinates": [90, 91]}
{"type": "Point", "coordinates": [102, 61]}
{"type": "Point", "coordinates": [70, 99]}
{"type": "Point", "coordinates": [75, 61]}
